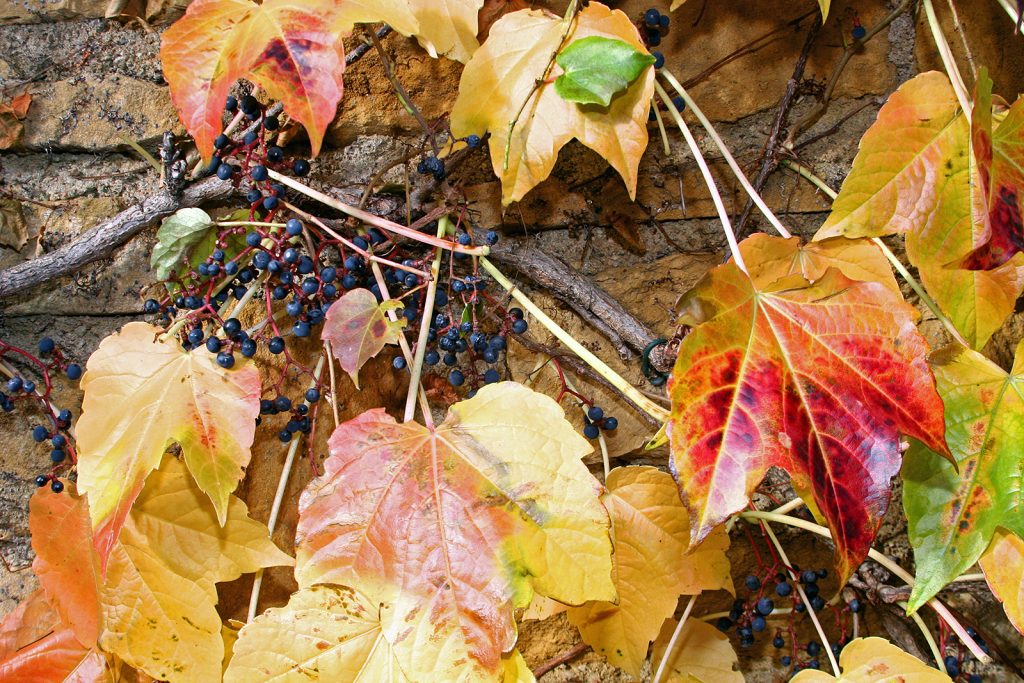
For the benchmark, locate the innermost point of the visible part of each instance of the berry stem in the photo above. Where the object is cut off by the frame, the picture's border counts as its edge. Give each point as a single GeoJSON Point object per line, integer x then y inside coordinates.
{"type": "Point", "coordinates": [377, 221]}
{"type": "Point", "coordinates": [709, 180]}
{"type": "Point", "coordinates": [881, 559]}
{"type": "Point", "coordinates": [426, 317]}
{"type": "Point", "coordinates": [932, 645]}
{"type": "Point", "coordinates": [947, 59]}
{"type": "Point", "coordinates": [809, 175]}
{"type": "Point", "coordinates": [599, 366]}
{"type": "Point", "coordinates": [754, 195]}
{"type": "Point", "coordinates": [674, 640]}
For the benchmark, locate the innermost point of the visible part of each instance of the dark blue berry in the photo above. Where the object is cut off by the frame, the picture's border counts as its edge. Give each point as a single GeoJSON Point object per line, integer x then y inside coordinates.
{"type": "Point", "coordinates": [57, 455]}
{"type": "Point", "coordinates": [253, 196]}
{"type": "Point", "coordinates": [248, 348]}
{"type": "Point", "coordinates": [859, 32]}
{"type": "Point", "coordinates": [270, 203]}
{"type": "Point", "coordinates": [520, 326]}
{"type": "Point", "coordinates": [751, 582]}
{"type": "Point", "coordinates": [46, 345]}
{"type": "Point", "coordinates": [456, 378]}
{"type": "Point", "coordinates": [213, 344]}
{"type": "Point", "coordinates": [276, 345]}
{"type": "Point", "coordinates": [41, 480]}
{"type": "Point", "coordinates": [231, 104]}
{"type": "Point", "coordinates": [301, 329]}
{"type": "Point", "coordinates": [757, 624]}
{"type": "Point", "coordinates": [271, 123]}
{"type": "Point", "coordinates": [14, 384]}
{"type": "Point", "coordinates": [225, 359]}
{"type": "Point", "coordinates": [952, 665]}
{"type": "Point", "coordinates": [58, 441]}
{"type": "Point", "coordinates": [855, 605]}
{"type": "Point", "coordinates": [785, 660]}
{"type": "Point", "coordinates": [56, 486]}
{"type": "Point", "coordinates": [595, 413]}
{"type": "Point", "coordinates": [783, 589]}
{"type": "Point", "coordinates": [652, 17]}
{"type": "Point", "coordinates": [610, 424]}
{"type": "Point", "coordinates": [813, 648]}
{"type": "Point", "coordinates": [779, 642]}
{"type": "Point", "coordinates": [765, 606]}
{"type": "Point", "coordinates": [64, 417]}
{"type": "Point", "coordinates": [398, 362]}
{"type": "Point", "coordinates": [221, 141]}
{"type": "Point", "coordinates": [659, 59]}
{"type": "Point", "coordinates": [809, 576]}
{"type": "Point", "coordinates": [591, 431]}
{"type": "Point", "coordinates": [259, 173]}
{"type": "Point", "coordinates": [224, 171]}
{"type": "Point", "coordinates": [284, 435]}
{"type": "Point", "coordinates": [250, 138]}
{"type": "Point", "coordinates": [74, 371]}
{"type": "Point", "coordinates": [300, 167]}
{"type": "Point", "coordinates": [151, 306]}
{"type": "Point", "coordinates": [473, 141]}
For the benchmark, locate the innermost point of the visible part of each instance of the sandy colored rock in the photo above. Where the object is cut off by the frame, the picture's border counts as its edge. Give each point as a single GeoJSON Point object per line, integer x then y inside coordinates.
{"type": "Point", "coordinates": [25, 11]}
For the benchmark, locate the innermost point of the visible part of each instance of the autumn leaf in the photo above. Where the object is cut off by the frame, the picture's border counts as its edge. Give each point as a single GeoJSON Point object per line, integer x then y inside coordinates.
{"type": "Point", "coordinates": [65, 562]}
{"type": "Point", "coordinates": [159, 596]}
{"type": "Point", "coordinates": [914, 175]}
{"type": "Point", "coordinates": [651, 566]}
{"type": "Point", "coordinates": [702, 653]}
{"type": "Point", "coordinates": [492, 10]}
{"type": "Point", "coordinates": [357, 327]}
{"type": "Point", "coordinates": [875, 660]}
{"type": "Point", "coordinates": [1003, 564]}
{"type": "Point", "coordinates": [499, 87]}
{"type": "Point", "coordinates": [292, 50]}
{"type": "Point", "coordinates": [770, 258]}
{"type": "Point", "coordinates": [453, 528]}
{"type": "Point", "coordinates": [55, 657]}
{"type": "Point", "coordinates": [177, 236]}
{"type": "Point", "coordinates": [32, 619]}
{"type": "Point", "coordinates": [12, 114]}
{"type": "Point", "coordinates": [1000, 165]}
{"type": "Point", "coordinates": [818, 379]}
{"type": "Point", "coordinates": [141, 395]}
{"type": "Point", "coordinates": [952, 512]}
{"type": "Point", "coordinates": [448, 26]}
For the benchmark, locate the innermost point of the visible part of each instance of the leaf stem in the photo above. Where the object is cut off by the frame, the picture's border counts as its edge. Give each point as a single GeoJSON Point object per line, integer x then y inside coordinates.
{"type": "Point", "coordinates": [709, 180]}
{"type": "Point", "coordinates": [1011, 10]}
{"type": "Point", "coordinates": [428, 312]}
{"type": "Point", "coordinates": [382, 223]}
{"type": "Point", "coordinates": [282, 486]}
{"type": "Point", "coordinates": [927, 637]}
{"type": "Point", "coordinates": [925, 298]}
{"type": "Point", "coordinates": [881, 559]}
{"type": "Point", "coordinates": [599, 366]}
{"type": "Point", "coordinates": [661, 128]}
{"type": "Point", "coordinates": [948, 62]}
{"type": "Point", "coordinates": [754, 195]}
{"type": "Point", "coordinates": [674, 640]}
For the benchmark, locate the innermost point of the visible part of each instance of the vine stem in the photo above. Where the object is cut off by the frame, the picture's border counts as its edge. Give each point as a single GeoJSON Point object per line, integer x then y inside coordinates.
{"type": "Point", "coordinates": [661, 129]}
{"type": "Point", "coordinates": [366, 217]}
{"type": "Point", "coordinates": [709, 180]}
{"type": "Point", "coordinates": [282, 486]}
{"type": "Point", "coordinates": [240, 224]}
{"type": "Point", "coordinates": [428, 312]}
{"type": "Point", "coordinates": [599, 366]}
{"type": "Point", "coordinates": [809, 175]}
{"type": "Point", "coordinates": [881, 559]}
{"type": "Point", "coordinates": [674, 641]}
{"type": "Point", "coordinates": [334, 390]}
{"type": "Point", "coordinates": [947, 58]}
{"type": "Point", "coordinates": [754, 195]}
{"type": "Point", "coordinates": [928, 638]}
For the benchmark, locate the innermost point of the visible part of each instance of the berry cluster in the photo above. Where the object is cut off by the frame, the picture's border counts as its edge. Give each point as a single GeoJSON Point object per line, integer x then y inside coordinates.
{"type": "Point", "coordinates": [432, 165]}
{"type": "Point", "coordinates": [20, 388]}
{"type": "Point", "coordinates": [596, 420]}
{"type": "Point", "coordinates": [654, 27]}
{"type": "Point", "coordinates": [958, 664]}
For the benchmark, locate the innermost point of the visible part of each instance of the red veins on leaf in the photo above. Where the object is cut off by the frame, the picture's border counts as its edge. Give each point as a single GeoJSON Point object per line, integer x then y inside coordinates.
{"type": "Point", "coordinates": [1000, 159]}
{"type": "Point", "coordinates": [818, 379]}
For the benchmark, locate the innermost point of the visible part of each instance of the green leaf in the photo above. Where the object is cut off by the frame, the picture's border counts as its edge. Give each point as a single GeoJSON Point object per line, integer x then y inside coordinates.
{"type": "Point", "coordinates": [177, 238]}
{"type": "Point", "coordinates": [953, 513]}
{"type": "Point", "coordinates": [596, 68]}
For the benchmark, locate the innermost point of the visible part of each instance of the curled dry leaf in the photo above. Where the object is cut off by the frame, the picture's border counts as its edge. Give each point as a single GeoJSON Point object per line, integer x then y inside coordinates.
{"type": "Point", "coordinates": [11, 115]}
{"type": "Point", "coordinates": [875, 660]}
{"type": "Point", "coordinates": [819, 379]}
{"type": "Point", "coordinates": [141, 395]}
{"type": "Point", "coordinates": [453, 528]}
{"type": "Point", "coordinates": [652, 566]}
{"type": "Point", "coordinates": [499, 87]}
{"type": "Point", "coordinates": [357, 327]}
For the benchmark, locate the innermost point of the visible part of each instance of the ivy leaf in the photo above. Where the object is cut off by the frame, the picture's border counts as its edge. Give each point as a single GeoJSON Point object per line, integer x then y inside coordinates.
{"type": "Point", "coordinates": [952, 512]}
{"type": "Point", "coordinates": [358, 328]}
{"type": "Point", "coordinates": [448, 27]}
{"type": "Point", "coordinates": [875, 660]}
{"type": "Point", "coordinates": [770, 258]}
{"type": "Point", "coordinates": [914, 174]}
{"type": "Point", "coordinates": [651, 566]}
{"type": "Point", "coordinates": [1000, 165]}
{"type": "Point", "coordinates": [1003, 564]}
{"type": "Point", "coordinates": [702, 653]}
{"type": "Point", "coordinates": [159, 595]}
{"type": "Point", "coordinates": [177, 236]}
{"type": "Point", "coordinates": [596, 68]}
{"type": "Point", "coordinates": [453, 528]}
{"type": "Point", "coordinates": [141, 395]}
{"type": "Point", "coordinates": [65, 563]}
{"type": "Point", "coordinates": [818, 379]}
{"type": "Point", "coordinates": [499, 86]}
{"type": "Point", "coordinates": [293, 51]}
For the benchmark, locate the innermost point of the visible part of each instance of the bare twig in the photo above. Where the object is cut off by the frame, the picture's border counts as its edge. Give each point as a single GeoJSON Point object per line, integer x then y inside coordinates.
{"type": "Point", "coordinates": [558, 660]}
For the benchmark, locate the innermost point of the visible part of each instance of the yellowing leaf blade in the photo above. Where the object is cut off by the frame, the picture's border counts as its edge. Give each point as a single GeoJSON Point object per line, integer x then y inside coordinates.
{"type": "Point", "coordinates": [1003, 564]}
{"type": "Point", "coordinates": [702, 653]}
{"type": "Point", "coordinates": [448, 26]}
{"type": "Point", "coordinates": [874, 660]}
{"type": "Point", "coordinates": [357, 328]}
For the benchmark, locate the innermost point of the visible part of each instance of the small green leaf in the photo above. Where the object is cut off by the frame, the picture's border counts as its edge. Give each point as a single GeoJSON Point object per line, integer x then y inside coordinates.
{"type": "Point", "coordinates": [177, 238]}
{"type": "Point", "coordinates": [596, 68]}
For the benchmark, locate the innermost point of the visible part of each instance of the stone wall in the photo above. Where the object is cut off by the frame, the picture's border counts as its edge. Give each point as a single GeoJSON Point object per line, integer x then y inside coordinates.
{"type": "Point", "coordinates": [96, 84]}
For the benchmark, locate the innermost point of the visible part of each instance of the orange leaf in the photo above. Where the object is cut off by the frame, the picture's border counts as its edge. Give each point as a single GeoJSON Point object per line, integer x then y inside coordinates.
{"type": "Point", "coordinates": [32, 619]}
{"type": "Point", "coordinates": [1003, 564]}
{"type": "Point", "coordinates": [65, 562]}
{"type": "Point", "coordinates": [56, 657]}
{"type": "Point", "coordinates": [357, 328]}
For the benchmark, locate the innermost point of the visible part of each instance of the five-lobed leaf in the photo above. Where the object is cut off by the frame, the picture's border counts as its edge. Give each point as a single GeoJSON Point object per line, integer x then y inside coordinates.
{"type": "Point", "coordinates": [652, 566]}
{"type": "Point", "coordinates": [914, 174]}
{"type": "Point", "coordinates": [1003, 565]}
{"type": "Point", "coordinates": [452, 528]}
{"type": "Point", "coordinates": [820, 380]}
{"type": "Point", "coordinates": [177, 237]}
{"type": "Point", "coordinates": [702, 653]}
{"type": "Point", "coordinates": [499, 86]}
{"type": "Point", "coordinates": [596, 68]}
{"type": "Point", "coordinates": [141, 395]}
{"type": "Point", "coordinates": [875, 660]}
{"type": "Point", "coordinates": [952, 512]}
{"type": "Point", "coordinates": [358, 328]}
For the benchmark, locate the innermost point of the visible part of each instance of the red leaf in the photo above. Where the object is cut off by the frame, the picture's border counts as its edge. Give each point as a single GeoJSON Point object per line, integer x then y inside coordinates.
{"type": "Point", "coordinates": [55, 657]}
{"type": "Point", "coordinates": [819, 380]}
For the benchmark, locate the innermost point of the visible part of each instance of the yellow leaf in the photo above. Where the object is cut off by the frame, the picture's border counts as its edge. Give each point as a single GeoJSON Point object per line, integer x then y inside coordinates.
{"type": "Point", "coordinates": [499, 87]}
{"type": "Point", "coordinates": [395, 13]}
{"type": "Point", "coordinates": [515, 669]}
{"type": "Point", "coordinates": [875, 660]}
{"type": "Point", "coordinates": [159, 596]}
{"type": "Point", "coordinates": [651, 566]}
{"type": "Point", "coordinates": [702, 653]}
{"type": "Point", "coordinates": [141, 395]}
{"type": "Point", "coordinates": [448, 27]}
{"type": "Point", "coordinates": [1003, 564]}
